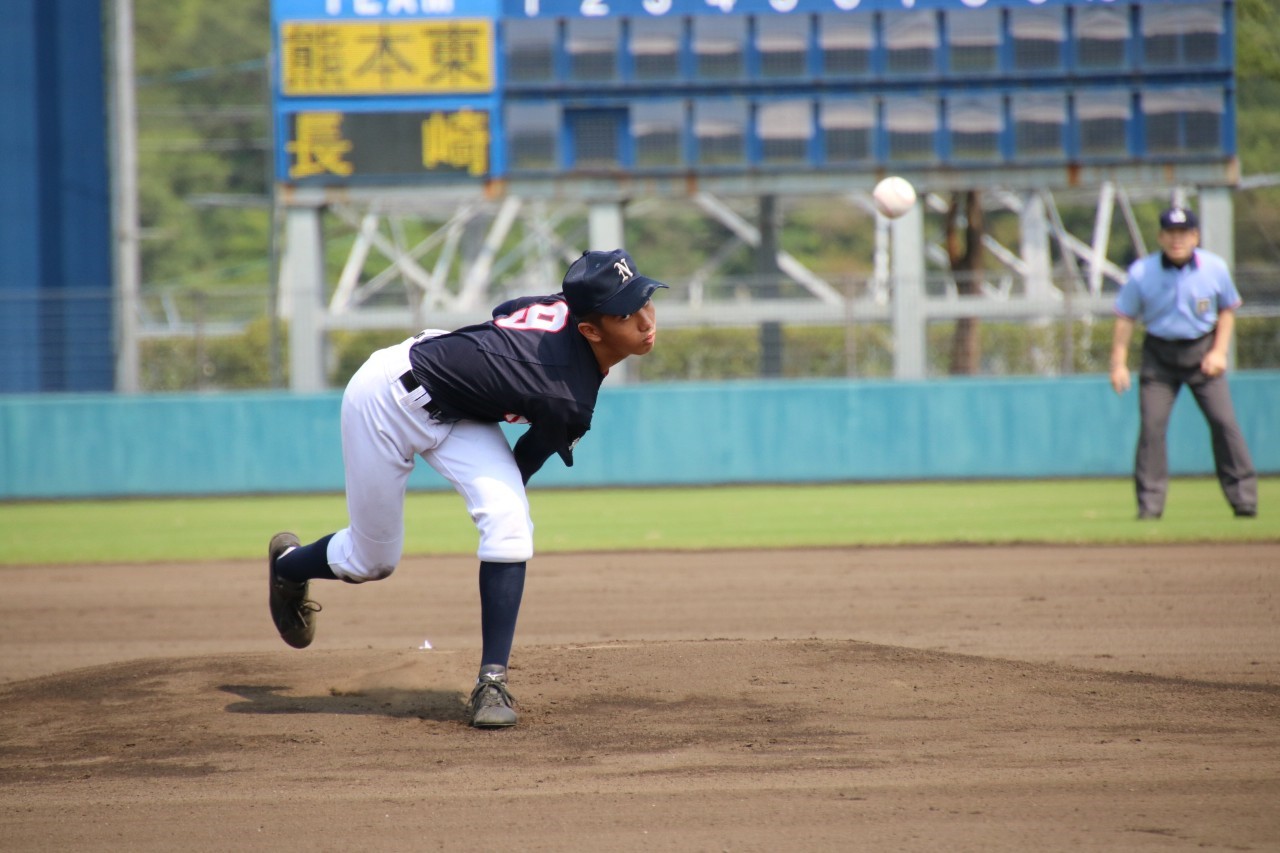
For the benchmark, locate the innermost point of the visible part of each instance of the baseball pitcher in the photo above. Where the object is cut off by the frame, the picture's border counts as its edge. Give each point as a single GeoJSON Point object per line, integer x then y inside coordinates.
{"type": "Point", "coordinates": [442, 395]}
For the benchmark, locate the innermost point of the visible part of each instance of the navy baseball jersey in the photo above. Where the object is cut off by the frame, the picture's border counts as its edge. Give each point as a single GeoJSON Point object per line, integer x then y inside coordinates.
{"type": "Point", "coordinates": [530, 364]}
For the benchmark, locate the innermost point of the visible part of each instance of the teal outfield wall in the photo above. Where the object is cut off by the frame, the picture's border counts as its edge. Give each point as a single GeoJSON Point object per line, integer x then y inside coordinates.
{"type": "Point", "coordinates": [58, 446]}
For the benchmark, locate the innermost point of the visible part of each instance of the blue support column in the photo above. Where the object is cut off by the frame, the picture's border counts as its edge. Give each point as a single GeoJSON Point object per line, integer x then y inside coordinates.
{"type": "Point", "coordinates": [55, 204]}
{"type": "Point", "coordinates": [19, 201]}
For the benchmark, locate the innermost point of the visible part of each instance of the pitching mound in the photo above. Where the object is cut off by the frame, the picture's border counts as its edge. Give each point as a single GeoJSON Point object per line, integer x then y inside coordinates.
{"type": "Point", "coordinates": [916, 699]}
{"type": "Point", "coordinates": [716, 745]}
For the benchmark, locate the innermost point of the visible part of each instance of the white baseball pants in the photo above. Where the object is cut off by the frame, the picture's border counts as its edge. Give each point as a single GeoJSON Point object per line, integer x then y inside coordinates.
{"type": "Point", "coordinates": [384, 428]}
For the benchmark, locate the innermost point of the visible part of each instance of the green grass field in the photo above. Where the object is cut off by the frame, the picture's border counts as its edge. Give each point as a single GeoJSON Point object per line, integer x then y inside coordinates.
{"type": "Point", "coordinates": [986, 512]}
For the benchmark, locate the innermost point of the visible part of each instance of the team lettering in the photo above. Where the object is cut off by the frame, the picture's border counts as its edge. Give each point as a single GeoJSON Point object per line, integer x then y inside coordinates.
{"type": "Point", "coordinates": [588, 8]}
{"type": "Point", "coordinates": [377, 8]}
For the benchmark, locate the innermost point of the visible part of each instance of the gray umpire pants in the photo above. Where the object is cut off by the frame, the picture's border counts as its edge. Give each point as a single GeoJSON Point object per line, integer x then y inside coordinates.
{"type": "Point", "coordinates": [1166, 367]}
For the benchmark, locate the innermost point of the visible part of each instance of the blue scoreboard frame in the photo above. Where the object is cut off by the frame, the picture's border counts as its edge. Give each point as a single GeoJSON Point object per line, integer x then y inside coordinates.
{"type": "Point", "coordinates": [449, 92]}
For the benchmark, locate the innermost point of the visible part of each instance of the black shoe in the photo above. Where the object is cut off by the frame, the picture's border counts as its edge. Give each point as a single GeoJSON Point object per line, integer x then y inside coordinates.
{"type": "Point", "coordinates": [293, 613]}
{"type": "Point", "coordinates": [1149, 516]}
{"type": "Point", "coordinates": [491, 704]}
{"type": "Point", "coordinates": [1246, 512]}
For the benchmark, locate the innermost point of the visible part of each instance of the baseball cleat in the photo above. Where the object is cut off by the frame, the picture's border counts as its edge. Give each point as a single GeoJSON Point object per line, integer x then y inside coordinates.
{"type": "Point", "coordinates": [291, 610]}
{"type": "Point", "coordinates": [491, 704]}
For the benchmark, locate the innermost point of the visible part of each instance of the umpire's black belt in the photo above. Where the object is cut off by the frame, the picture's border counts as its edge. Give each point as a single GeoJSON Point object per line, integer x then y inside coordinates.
{"type": "Point", "coordinates": [1181, 342]}
{"type": "Point", "coordinates": [410, 384]}
{"type": "Point", "coordinates": [1180, 354]}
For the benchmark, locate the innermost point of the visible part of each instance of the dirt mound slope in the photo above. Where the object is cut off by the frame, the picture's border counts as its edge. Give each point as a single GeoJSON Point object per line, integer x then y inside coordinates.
{"type": "Point", "coordinates": [915, 699]}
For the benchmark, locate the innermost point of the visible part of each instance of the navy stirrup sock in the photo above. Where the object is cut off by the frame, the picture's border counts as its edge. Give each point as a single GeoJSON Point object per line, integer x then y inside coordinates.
{"type": "Point", "coordinates": [501, 588]}
{"type": "Point", "coordinates": [307, 562]}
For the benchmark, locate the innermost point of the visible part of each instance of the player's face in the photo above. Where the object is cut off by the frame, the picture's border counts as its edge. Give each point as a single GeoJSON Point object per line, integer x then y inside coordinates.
{"type": "Point", "coordinates": [1179, 243]}
{"type": "Point", "coordinates": [633, 334]}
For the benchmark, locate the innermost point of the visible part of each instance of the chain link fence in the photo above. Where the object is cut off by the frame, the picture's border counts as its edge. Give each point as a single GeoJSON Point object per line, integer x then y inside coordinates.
{"type": "Point", "coordinates": [202, 339]}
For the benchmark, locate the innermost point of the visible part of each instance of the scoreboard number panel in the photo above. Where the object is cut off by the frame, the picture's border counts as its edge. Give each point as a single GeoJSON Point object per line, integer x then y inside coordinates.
{"type": "Point", "coordinates": [659, 8]}
{"type": "Point", "coordinates": [330, 147]}
{"type": "Point", "coordinates": [469, 91]}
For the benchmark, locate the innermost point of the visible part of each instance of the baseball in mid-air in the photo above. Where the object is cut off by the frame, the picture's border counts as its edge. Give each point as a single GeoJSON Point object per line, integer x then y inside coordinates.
{"type": "Point", "coordinates": [894, 196]}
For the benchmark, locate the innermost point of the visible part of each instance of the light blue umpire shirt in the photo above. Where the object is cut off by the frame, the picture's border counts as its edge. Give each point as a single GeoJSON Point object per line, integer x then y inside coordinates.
{"type": "Point", "coordinates": [1178, 304]}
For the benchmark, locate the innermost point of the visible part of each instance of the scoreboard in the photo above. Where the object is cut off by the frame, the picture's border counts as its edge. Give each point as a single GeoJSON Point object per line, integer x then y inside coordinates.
{"type": "Point", "coordinates": [394, 92]}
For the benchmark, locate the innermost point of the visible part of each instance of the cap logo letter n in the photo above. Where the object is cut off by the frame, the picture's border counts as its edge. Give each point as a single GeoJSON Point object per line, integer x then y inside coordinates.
{"type": "Point", "coordinates": [623, 270]}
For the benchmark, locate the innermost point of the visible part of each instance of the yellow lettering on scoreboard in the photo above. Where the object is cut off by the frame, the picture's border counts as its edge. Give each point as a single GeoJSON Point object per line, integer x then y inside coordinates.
{"type": "Point", "coordinates": [318, 146]}
{"type": "Point", "coordinates": [459, 139]}
{"type": "Point", "coordinates": [426, 57]}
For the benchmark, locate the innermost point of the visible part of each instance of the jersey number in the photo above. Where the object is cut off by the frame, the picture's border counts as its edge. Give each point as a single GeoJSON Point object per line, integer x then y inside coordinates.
{"type": "Point", "coordinates": [537, 318]}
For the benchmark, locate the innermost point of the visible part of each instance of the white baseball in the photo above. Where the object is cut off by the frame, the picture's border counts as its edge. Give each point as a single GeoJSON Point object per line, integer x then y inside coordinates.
{"type": "Point", "coordinates": [894, 196]}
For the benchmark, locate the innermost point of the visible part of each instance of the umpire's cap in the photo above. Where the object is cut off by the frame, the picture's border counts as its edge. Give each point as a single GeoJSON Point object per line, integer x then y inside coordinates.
{"type": "Point", "coordinates": [606, 282]}
{"type": "Point", "coordinates": [1178, 217]}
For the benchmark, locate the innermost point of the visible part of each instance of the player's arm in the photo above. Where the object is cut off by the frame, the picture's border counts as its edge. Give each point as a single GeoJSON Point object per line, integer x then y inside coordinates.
{"type": "Point", "coordinates": [532, 450]}
{"type": "Point", "coordinates": [552, 429]}
{"type": "Point", "coordinates": [511, 306]}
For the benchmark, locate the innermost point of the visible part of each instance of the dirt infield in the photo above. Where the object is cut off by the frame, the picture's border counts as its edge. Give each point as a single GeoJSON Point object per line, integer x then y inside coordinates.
{"type": "Point", "coordinates": [1022, 698]}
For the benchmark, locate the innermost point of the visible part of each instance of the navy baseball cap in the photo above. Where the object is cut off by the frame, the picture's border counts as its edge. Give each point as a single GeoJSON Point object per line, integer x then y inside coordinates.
{"type": "Point", "coordinates": [606, 282]}
{"type": "Point", "coordinates": [1178, 217]}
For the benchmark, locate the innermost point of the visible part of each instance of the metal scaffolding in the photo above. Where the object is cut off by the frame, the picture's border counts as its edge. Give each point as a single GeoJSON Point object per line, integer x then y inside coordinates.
{"type": "Point", "coordinates": [386, 282]}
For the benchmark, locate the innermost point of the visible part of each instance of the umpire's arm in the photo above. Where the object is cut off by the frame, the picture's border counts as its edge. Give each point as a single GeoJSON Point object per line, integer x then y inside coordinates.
{"type": "Point", "coordinates": [1120, 339]}
{"type": "Point", "coordinates": [1214, 362]}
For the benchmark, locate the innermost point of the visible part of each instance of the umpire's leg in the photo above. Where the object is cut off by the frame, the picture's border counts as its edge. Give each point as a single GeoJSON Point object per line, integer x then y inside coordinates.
{"type": "Point", "coordinates": [1231, 457]}
{"type": "Point", "coordinates": [1157, 389]}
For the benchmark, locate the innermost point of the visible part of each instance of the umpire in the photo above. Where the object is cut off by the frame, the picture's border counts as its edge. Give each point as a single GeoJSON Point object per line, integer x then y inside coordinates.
{"type": "Point", "coordinates": [1186, 299]}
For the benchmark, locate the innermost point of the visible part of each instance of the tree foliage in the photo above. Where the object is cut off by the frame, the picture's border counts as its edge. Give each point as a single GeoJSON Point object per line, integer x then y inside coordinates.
{"type": "Point", "coordinates": [203, 130]}
{"type": "Point", "coordinates": [1258, 39]}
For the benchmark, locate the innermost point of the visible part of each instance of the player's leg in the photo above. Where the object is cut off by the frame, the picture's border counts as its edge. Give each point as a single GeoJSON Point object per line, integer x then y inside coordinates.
{"type": "Point", "coordinates": [380, 439]}
{"type": "Point", "coordinates": [477, 460]}
{"type": "Point", "coordinates": [1231, 457]}
{"type": "Point", "coordinates": [1157, 389]}
{"type": "Point", "coordinates": [501, 589]}
{"type": "Point", "coordinates": [382, 435]}
{"type": "Point", "coordinates": [291, 610]}
{"type": "Point", "coordinates": [293, 566]}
